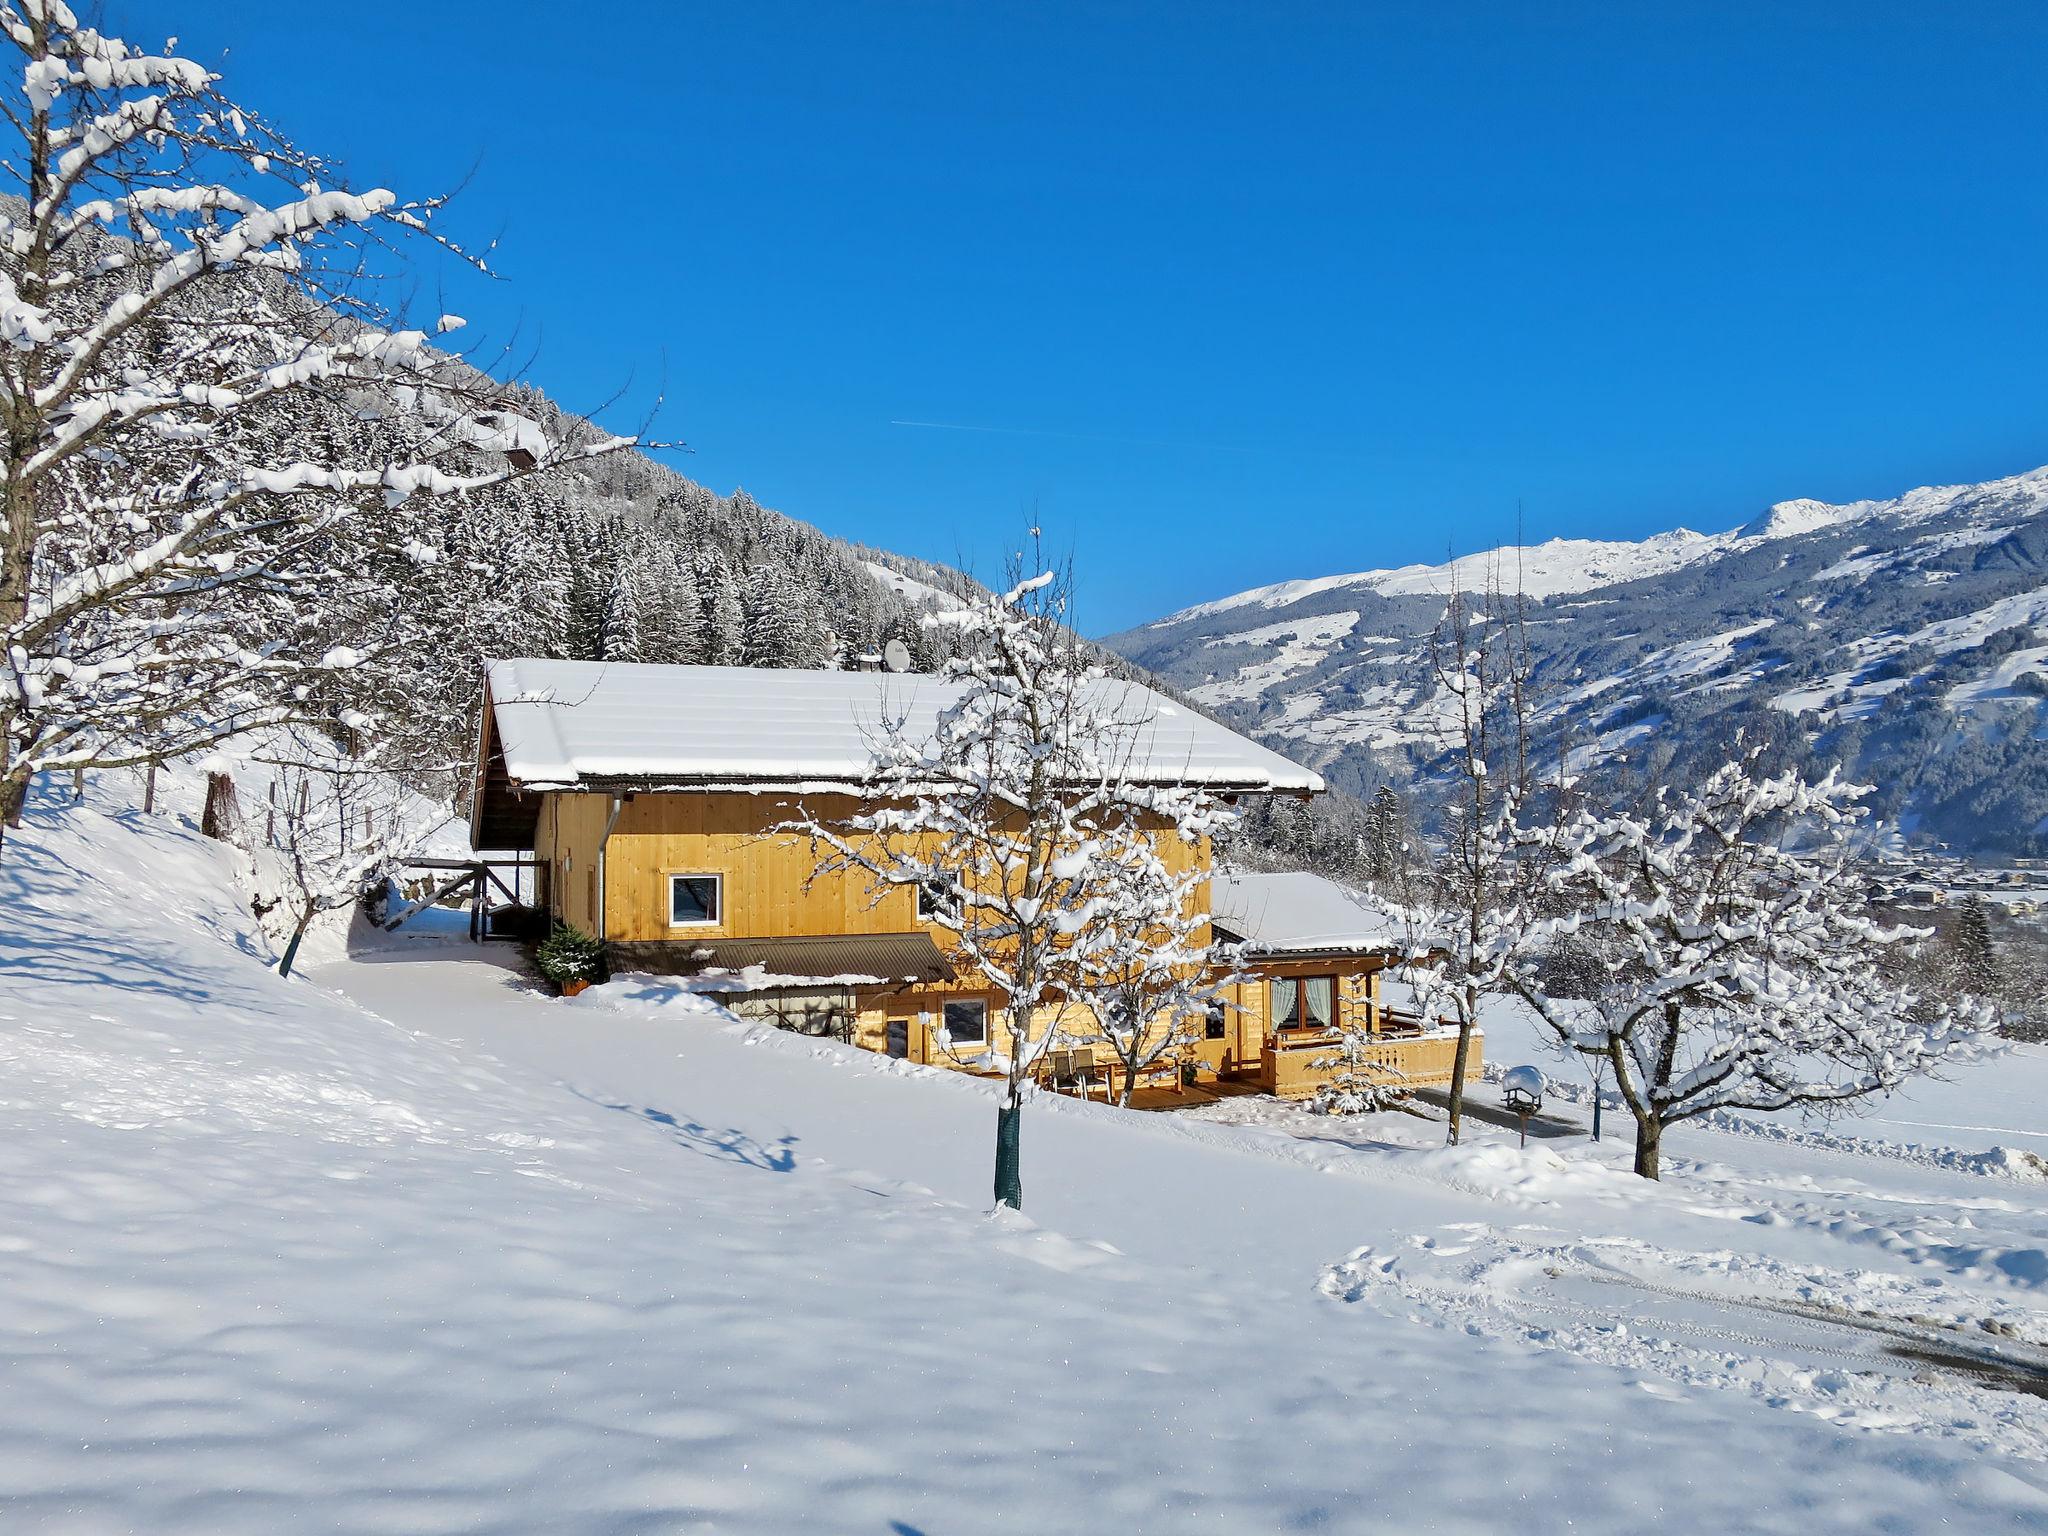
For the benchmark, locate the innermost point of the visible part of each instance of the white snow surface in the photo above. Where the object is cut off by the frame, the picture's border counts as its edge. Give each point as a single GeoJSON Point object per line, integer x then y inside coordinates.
{"type": "Point", "coordinates": [1300, 912]}
{"type": "Point", "coordinates": [562, 722]}
{"type": "Point", "coordinates": [406, 1246]}
{"type": "Point", "coordinates": [1540, 570]}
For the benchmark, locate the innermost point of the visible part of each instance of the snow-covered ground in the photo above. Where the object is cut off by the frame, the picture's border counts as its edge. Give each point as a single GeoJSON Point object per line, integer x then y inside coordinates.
{"type": "Point", "coordinates": [405, 1246]}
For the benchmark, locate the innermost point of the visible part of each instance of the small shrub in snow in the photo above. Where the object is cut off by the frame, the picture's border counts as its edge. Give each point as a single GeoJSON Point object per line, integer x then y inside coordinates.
{"type": "Point", "coordinates": [569, 954]}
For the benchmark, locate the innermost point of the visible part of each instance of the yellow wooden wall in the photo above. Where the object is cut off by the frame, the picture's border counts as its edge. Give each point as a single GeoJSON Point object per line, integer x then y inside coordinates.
{"type": "Point", "coordinates": [769, 886]}
{"type": "Point", "coordinates": [768, 875]}
{"type": "Point", "coordinates": [771, 891]}
{"type": "Point", "coordinates": [568, 834]}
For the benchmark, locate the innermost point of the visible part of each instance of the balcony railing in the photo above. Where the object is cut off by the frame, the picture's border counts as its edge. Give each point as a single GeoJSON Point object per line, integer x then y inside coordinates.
{"type": "Point", "coordinates": [1288, 1064]}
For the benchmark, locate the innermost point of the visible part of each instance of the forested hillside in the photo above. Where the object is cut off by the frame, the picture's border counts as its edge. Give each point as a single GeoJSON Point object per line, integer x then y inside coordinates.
{"type": "Point", "coordinates": [624, 559]}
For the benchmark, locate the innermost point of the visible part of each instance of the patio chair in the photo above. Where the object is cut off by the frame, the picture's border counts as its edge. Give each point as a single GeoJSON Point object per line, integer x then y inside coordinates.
{"type": "Point", "coordinates": [1070, 1068]}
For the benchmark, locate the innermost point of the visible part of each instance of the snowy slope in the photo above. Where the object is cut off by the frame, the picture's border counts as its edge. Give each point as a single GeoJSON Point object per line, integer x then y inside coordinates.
{"type": "Point", "coordinates": [407, 1247]}
{"type": "Point", "coordinates": [1814, 613]}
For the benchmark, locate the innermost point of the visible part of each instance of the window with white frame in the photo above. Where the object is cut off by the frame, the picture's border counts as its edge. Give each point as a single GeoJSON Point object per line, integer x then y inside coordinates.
{"type": "Point", "coordinates": [966, 1022]}
{"type": "Point", "coordinates": [695, 901]}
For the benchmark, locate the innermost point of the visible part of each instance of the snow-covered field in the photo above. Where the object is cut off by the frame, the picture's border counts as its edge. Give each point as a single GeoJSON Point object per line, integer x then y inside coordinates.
{"type": "Point", "coordinates": [405, 1246]}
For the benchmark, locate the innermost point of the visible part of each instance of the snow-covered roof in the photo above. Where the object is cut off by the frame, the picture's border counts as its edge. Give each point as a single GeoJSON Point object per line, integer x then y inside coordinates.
{"type": "Point", "coordinates": [1301, 914]}
{"type": "Point", "coordinates": [563, 724]}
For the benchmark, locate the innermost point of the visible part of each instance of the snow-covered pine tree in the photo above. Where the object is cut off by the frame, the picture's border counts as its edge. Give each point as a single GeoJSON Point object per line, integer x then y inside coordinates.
{"type": "Point", "coordinates": [668, 603]}
{"type": "Point", "coordinates": [179, 496]}
{"type": "Point", "coordinates": [1353, 1079]}
{"type": "Point", "coordinates": [778, 633]}
{"type": "Point", "coordinates": [1971, 951]}
{"type": "Point", "coordinates": [724, 633]}
{"type": "Point", "coordinates": [1385, 838]}
{"type": "Point", "coordinates": [620, 638]}
{"type": "Point", "coordinates": [1735, 972]}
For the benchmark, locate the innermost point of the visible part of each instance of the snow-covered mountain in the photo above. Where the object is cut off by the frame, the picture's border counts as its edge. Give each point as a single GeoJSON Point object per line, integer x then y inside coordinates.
{"type": "Point", "coordinates": [1907, 638]}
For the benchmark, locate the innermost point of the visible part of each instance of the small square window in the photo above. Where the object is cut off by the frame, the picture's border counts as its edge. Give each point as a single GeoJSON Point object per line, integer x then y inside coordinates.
{"type": "Point", "coordinates": [967, 1023]}
{"type": "Point", "coordinates": [693, 900]}
{"type": "Point", "coordinates": [1215, 1024]}
{"type": "Point", "coordinates": [931, 897]}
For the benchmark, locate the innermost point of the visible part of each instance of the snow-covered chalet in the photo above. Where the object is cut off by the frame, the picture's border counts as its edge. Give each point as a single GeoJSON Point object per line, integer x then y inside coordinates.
{"type": "Point", "coordinates": [652, 796]}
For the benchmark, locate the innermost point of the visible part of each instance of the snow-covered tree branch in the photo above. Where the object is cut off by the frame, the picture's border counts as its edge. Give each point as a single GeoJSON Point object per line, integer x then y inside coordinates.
{"type": "Point", "coordinates": [1017, 819]}
{"type": "Point", "coordinates": [1726, 966]}
{"type": "Point", "coordinates": [333, 825]}
{"type": "Point", "coordinates": [192, 383]}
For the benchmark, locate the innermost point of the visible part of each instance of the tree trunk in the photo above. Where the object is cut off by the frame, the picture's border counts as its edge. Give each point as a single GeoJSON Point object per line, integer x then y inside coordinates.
{"type": "Point", "coordinates": [1649, 1134]}
{"type": "Point", "coordinates": [216, 820]}
{"type": "Point", "coordinates": [291, 950]}
{"type": "Point", "coordinates": [1458, 1065]}
{"type": "Point", "coordinates": [149, 791]}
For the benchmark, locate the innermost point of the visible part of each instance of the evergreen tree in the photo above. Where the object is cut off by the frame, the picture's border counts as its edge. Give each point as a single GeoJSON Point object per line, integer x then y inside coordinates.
{"type": "Point", "coordinates": [620, 639]}
{"type": "Point", "coordinates": [724, 626]}
{"type": "Point", "coordinates": [1385, 837]}
{"type": "Point", "coordinates": [778, 633]}
{"type": "Point", "coordinates": [1970, 947]}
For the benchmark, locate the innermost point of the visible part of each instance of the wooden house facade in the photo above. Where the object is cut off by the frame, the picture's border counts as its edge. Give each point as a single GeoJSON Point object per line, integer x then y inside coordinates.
{"type": "Point", "coordinates": [654, 800]}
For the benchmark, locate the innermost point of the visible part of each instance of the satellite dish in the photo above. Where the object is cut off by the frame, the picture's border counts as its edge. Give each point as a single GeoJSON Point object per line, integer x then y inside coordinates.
{"type": "Point", "coordinates": [896, 656]}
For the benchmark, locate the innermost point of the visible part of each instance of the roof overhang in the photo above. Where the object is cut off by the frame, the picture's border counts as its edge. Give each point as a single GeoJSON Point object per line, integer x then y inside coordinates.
{"type": "Point", "coordinates": [503, 814]}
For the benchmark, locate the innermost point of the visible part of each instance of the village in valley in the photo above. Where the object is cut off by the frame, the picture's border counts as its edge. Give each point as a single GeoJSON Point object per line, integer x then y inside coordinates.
{"type": "Point", "coordinates": [537, 995]}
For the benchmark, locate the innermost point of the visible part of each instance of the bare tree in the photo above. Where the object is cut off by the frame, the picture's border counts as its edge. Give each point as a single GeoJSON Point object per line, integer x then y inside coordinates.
{"type": "Point", "coordinates": [1009, 816]}
{"type": "Point", "coordinates": [335, 825]}
{"type": "Point", "coordinates": [1464, 912]}
{"type": "Point", "coordinates": [1731, 971]}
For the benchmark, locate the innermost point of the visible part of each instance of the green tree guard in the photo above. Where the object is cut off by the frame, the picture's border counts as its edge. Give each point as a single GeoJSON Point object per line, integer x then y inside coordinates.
{"type": "Point", "coordinates": [1009, 1156]}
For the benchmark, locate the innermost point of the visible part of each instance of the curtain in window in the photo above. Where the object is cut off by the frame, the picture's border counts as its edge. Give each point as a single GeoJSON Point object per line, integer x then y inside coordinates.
{"type": "Point", "coordinates": [1320, 993]}
{"type": "Point", "coordinates": [1284, 999]}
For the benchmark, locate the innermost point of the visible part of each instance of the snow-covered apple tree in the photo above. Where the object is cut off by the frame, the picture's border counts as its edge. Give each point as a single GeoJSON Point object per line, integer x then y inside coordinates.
{"type": "Point", "coordinates": [1725, 962]}
{"type": "Point", "coordinates": [1463, 911]}
{"type": "Point", "coordinates": [1144, 968]}
{"type": "Point", "coordinates": [201, 473]}
{"type": "Point", "coordinates": [333, 824]}
{"type": "Point", "coordinates": [1015, 818]}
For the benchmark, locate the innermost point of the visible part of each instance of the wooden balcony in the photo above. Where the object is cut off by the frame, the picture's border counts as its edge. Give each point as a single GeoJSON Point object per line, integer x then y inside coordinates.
{"type": "Point", "coordinates": [1422, 1057]}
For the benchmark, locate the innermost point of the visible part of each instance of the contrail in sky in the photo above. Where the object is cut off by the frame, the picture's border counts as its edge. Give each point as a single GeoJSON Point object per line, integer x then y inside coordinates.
{"type": "Point", "coordinates": [1072, 437]}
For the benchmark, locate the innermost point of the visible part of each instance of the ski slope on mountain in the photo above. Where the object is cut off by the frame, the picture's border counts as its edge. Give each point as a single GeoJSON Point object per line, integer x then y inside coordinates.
{"type": "Point", "coordinates": [406, 1246]}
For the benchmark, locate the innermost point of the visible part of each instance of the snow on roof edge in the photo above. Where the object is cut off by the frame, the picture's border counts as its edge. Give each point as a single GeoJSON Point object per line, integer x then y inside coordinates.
{"type": "Point", "coordinates": [564, 724]}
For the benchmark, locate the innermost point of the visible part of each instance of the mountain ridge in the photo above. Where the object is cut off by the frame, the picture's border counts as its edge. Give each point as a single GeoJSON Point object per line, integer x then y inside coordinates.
{"type": "Point", "coordinates": [1900, 636]}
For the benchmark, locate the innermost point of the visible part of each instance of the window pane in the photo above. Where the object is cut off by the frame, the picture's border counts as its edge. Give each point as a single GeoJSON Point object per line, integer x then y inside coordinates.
{"type": "Point", "coordinates": [693, 899]}
{"type": "Point", "coordinates": [1320, 992]}
{"type": "Point", "coordinates": [1284, 1000]}
{"type": "Point", "coordinates": [1217, 1024]}
{"type": "Point", "coordinates": [967, 1023]}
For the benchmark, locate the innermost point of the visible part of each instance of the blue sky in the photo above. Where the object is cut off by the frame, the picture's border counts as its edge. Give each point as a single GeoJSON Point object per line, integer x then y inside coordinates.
{"type": "Point", "coordinates": [1251, 291]}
